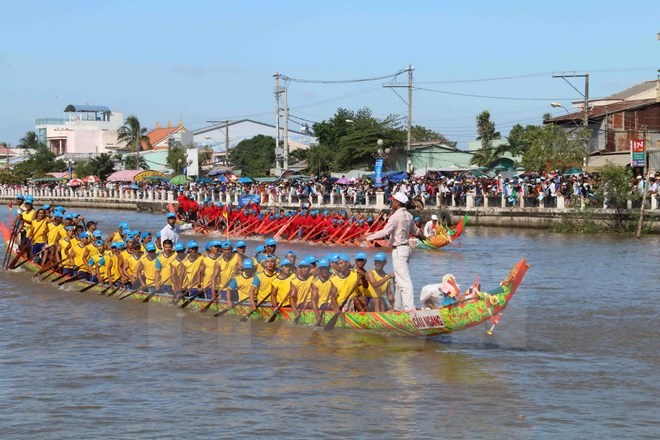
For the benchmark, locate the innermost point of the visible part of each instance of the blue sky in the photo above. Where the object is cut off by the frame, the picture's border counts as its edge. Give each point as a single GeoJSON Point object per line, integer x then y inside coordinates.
{"type": "Point", "coordinates": [204, 60]}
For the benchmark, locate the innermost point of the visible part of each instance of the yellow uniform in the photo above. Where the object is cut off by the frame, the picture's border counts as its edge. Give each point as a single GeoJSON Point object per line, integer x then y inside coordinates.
{"type": "Point", "coordinates": [40, 231]}
{"type": "Point", "coordinates": [191, 268]}
{"type": "Point", "coordinates": [64, 253]}
{"type": "Point", "coordinates": [79, 259]}
{"type": "Point", "coordinates": [166, 267]}
{"type": "Point", "coordinates": [28, 217]}
{"type": "Point", "coordinates": [344, 286]}
{"type": "Point", "coordinates": [281, 288]}
{"type": "Point", "coordinates": [360, 290]}
{"type": "Point", "coordinates": [227, 268]}
{"type": "Point", "coordinates": [209, 267]}
{"type": "Point", "coordinates": [242, 285]}
{"type": "Point", "coordinates": [116, 260]}
{"type": "Point", "coordinates": [55, 233]}
{"type": "Point", "coordinates": [323, 288]}
{"type": "Point", "coordinates": [303, 290]}
{"type": "Point", "coordinates": [150, 267]}
{"type": "Point", "coordinates": [265, 284]}
{"type": "Point", "coordinates": [130, 265]}
{"type": "Point", "coordinates": [378, 292]}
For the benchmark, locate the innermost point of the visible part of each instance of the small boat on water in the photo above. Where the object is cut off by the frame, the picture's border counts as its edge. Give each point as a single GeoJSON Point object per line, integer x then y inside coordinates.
{"type": "Point", "coordinates": [475, 309]}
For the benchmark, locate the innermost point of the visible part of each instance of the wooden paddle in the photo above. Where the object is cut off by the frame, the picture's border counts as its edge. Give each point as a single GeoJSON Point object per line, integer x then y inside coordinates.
{"type": "Point", "coordinates": [333, 321]}
{"type": "Point", "coordinates": [155, 290]}
{"type": "Point", "coordinates": [231, 276]}
{"type": "Point", "coordinates": [295, 321]}
{"type": "Point", "coordinates": [59, 278]}
{"type": "Point", "coordinates": [12, 239]}
{"type": "Point", "coordinates": [85, 289]}
{"type": "Point", "coordinates": [279, 306]}
{"type": "Point", "coordinates": [26, 260]}
{"type": "Point", "coordinates": [191, 299]}
{"type": "Point", "coordinates": [247, 316]}
{"type": "Point", "coordinates": [46, 269]}
{"type": "Point", "coordinates": [222, 312]}
{"type": "Point", "coordinates": [72, 279]}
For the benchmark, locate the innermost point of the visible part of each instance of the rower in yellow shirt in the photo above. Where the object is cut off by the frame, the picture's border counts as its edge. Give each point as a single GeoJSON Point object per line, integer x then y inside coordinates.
{"type": "Point", "coordinates": [63, 247]}
{"type": "Point", "coordinates": [302, 281]}
{"type": "Point", "coordinates": [380, 284]}
{"type": "Point", "coordinates": [228, 264]}
{"type": "Point", "coordinates": [266, 277]}
{"type": "Point", "coordinates": [148, 269]}
{"type": "Point", "coordinates": [282, 288]}
{"type": "Point", "coordinates": [243, 286]}
{"type": "Point", "coordinates": [131, 263]}
{"type": "Point", "coordinates": [193, 270]}
{"type": "Point", "coordinates": [166, 258]}
{"type": "Point", "coordinates": [56, 232]}
{"type": "Point", "coordinates": [323, 291]}
{"type": "Point", "coordinates": [39, 236]}
{"type": "Point", "coordinates": [80, 255]}
{"type": "Point", "coordinates": [345, 281]}
{"type": "Point", "coordinates": [211, 269]}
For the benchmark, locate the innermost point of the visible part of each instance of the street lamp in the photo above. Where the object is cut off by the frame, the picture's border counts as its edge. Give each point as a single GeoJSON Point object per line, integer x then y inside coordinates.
{"type": "Point", "coordinates": [70, 163]}
{"type": "Point", "coordinates": [557, 105]}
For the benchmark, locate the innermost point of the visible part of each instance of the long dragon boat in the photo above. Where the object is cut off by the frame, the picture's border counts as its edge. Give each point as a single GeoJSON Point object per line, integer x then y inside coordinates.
{"type": "Point", "coordinates": [476, 309]}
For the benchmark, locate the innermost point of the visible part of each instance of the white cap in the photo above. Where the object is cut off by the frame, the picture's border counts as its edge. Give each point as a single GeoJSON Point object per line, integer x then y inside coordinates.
{"type": "Point", "coordinates": [434, 217]}
{"type": "Point", "coordinates": [401, 197]}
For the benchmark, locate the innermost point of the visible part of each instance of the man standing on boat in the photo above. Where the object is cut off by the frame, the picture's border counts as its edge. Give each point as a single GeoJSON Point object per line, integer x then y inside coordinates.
{"type": "Point", "coordinates": [399, 227]}
{"type": "Point", "coordinates": [171, 229]}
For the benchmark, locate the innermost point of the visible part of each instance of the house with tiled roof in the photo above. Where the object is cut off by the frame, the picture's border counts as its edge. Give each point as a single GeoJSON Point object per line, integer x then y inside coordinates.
{"type": "Point", "coordinates": [614, 121]}
{"type": "Point", "coordinates": [160, 138]}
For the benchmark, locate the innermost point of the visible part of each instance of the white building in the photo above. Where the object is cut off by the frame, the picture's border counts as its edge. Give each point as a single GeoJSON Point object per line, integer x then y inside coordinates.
{"type": "Point", "coordinates": [86, 130]}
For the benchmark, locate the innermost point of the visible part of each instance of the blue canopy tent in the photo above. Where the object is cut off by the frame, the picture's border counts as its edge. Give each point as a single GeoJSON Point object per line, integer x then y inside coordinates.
{"type": "Point", "coordinates": [392, 176]}
{"type": "Point", "coordinates": [221, 179]}
{"type": "Point", "coordinates": [244, 180]}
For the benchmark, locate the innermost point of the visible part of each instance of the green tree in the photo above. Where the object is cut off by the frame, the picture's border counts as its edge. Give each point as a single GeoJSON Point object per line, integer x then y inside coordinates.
{"type": "Point", "coordinates": [615, 186]}
{"type": "Point", "coordinates": [486, 133]}
{"type": "Point", "coordinates": [132, 134]}
{"type": "Point", "coordinates": [419, 133]}
{"type": "Point", "coordinates": [254, 156]}
{"type": "Point", "coordinates": [131, 162]}
{"type": "Point", "coordinates": [39, 162]}
{"type": "Point", "coordinates": [102, 166]}
{"type": "Point", "coordinates": [30, 140]}
{"type": "Point", "coordinates": [176, 158]}
{"type": "Point", "coordinates": [551, 147]}
{"type": "Point", "coordinates": [348, 140]}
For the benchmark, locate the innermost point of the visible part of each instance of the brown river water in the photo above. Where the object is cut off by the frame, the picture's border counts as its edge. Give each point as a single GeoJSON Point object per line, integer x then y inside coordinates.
{"type": "Point", "coordinates": [575, 356]}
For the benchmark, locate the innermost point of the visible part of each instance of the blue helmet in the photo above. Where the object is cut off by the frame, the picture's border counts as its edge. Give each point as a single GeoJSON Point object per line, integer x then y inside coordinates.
{"type": "Point", "coordinates": [179, 247]}
{"type": "Point", "coordinates": [380, 256]}
{"type": "Point", "coordinates": [192, 244]}
{"type": "Point", "coordinates": [271, 242]}
{"type": "Point", "coordinates": [150, 247]}
{"type": "Point", "coordinates": [361, 256]}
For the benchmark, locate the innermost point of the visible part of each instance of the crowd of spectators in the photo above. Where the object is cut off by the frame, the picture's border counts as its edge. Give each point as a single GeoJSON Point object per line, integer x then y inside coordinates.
{"type": "Point", "coordinates": [434, 189]}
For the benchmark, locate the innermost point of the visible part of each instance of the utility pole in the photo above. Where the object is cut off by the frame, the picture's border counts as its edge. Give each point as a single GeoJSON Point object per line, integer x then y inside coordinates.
{"type": "Point", "coordinates": [409, 167]}
{"type": "Point", "coordinates": [227, 140]}
{"type": "Point", "coordinates": [286, 130]}
{"type": "Point", "coordinates": [277, 119]}
{"type": "Point", "coordinates": [409, 142]}
{"type": "Point", "coordinates": [585, 109]}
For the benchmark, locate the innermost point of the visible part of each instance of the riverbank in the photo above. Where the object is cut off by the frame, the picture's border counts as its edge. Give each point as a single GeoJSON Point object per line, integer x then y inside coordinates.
{"type": "Point", "coordinates": [492, 213]}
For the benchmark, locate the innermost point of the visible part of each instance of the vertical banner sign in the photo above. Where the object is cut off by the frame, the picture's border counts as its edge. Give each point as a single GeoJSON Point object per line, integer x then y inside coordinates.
{"type": "Point", "coordinates": [378, 170]}
{"type": "Point", "coordinates": [637, 153]}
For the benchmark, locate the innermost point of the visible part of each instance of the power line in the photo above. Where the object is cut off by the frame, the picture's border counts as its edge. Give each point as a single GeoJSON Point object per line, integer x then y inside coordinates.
{"type": "Point", "coordinates": [494, 97]}
{"type": "Point", "coordinates": [341, 81]}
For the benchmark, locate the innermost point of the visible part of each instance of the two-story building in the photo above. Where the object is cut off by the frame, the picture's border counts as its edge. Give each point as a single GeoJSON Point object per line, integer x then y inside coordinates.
{"type": "Point", "coordinates": [85, 130]}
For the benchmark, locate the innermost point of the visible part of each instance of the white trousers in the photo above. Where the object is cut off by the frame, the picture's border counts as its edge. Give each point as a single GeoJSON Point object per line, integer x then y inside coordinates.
{"type": "Point", "coordinates": [403, 295]}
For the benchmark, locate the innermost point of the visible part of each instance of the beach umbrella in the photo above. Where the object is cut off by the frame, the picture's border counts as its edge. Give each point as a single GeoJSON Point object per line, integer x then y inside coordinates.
{"type": "Point", "coordinates": [75, 182]}
{"type": "Point", "coordinates": [244, 180]}
{"type": "Point", "coordinates": [179, 180]}
{"type": "Point", "coordinates": [574, 172]}
{"type": "Point", "coordinates": [91, 179]}
{"type": "Point", "coordinates": [221, 179]}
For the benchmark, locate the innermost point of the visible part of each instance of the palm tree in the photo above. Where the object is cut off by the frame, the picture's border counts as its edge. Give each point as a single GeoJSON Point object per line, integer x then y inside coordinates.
{"type": "Point", "coordinates": [102, 165]}
{"type": "Point", "coordinates": [133, 134]}
{"type": "Point", "coordinates": [30, 140]}
{"type": "Point", "coordinates": [487, 156]}
{"type": "Point", "coordinates": [135, 162]}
